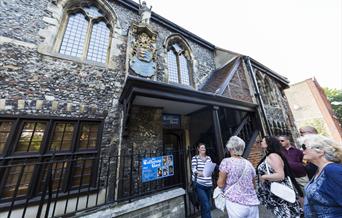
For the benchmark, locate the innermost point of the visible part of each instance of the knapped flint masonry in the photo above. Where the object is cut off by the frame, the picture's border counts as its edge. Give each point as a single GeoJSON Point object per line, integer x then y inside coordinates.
{"type": "Point", "coordinates": [92, 88]}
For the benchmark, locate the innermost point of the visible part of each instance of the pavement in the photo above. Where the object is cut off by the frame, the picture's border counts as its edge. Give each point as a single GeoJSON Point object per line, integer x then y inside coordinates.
{"type": "Point", "coordinates": [263, 213]}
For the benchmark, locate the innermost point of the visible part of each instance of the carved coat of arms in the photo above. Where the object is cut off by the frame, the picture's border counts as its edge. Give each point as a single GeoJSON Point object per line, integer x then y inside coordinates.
{"type": "Point", "coordinates": [143, 61]}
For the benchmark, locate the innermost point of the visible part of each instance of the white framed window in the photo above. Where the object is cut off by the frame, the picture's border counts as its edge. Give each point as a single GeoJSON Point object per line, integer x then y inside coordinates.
{"type": "Point", "coordinates": [179, 64]}
{"type": "Point", "coordinates": [86, 35]}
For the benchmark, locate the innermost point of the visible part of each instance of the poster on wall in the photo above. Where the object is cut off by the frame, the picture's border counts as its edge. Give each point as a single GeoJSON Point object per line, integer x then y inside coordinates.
{"type": "Point", "coordinates": [157, 168]}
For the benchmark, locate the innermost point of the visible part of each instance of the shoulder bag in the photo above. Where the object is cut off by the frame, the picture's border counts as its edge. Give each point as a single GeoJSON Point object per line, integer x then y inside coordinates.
{"type": "Point", "coordinates": [219, 196]}
{"type": "Point", "coordinates": [281, 190]}
{"type": "Point", "coordinates": [192, 190]}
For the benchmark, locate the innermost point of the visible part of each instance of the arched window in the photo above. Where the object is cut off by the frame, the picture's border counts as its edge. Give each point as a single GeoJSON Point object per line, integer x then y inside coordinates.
{"type": "Point", "coordinates": [86, 35]}
{"type": "Point", "coordinates": [179, 64]}
{"type": "Point", "coordinates": [270, 93]}
{"type": "Point", "coordinates": [261, 86]}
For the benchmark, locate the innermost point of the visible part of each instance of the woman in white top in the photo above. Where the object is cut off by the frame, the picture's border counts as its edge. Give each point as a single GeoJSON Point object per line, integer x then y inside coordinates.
{"type": "Point", "coordinates": [203, 184]}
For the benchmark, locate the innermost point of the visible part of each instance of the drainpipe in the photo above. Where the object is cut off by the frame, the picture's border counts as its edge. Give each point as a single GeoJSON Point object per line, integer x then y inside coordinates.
{"type": "Point", "coordinates": [257, 93]}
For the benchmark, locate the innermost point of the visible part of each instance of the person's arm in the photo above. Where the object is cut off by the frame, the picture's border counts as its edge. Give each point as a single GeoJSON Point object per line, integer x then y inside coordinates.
{"type": "Point", "coordinates": [222, 174]}
{"type": "Point", "coordinates": [194, 165]}
{"type": "Point", "coordinates": [222, 179]}
{"type": "Point", "coordinates": [334, 182]}
{"type": "Point", "coordinates": [277, 164]}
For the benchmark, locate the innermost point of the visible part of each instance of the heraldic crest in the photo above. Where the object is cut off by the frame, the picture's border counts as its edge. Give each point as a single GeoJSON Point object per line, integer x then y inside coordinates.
{"type": "Point", "coordinates": [142, 39]}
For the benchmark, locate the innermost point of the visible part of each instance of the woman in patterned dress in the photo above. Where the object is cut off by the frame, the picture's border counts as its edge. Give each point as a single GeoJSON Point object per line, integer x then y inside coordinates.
{"type": "Point", "coordinates": [323, 194]}
{"type": "Point", "coordinates": [236, 179]}
{"type": "Point", "coordinates": [279, 171]}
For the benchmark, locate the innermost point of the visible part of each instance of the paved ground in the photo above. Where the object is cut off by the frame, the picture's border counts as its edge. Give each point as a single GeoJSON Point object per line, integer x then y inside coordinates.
{"type": "Point", "coordinates": [263, 213]}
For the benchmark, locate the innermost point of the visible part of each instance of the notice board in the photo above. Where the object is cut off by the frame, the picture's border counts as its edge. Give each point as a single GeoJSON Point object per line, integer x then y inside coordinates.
{"type": "Point", "coordinates": [157, 168]}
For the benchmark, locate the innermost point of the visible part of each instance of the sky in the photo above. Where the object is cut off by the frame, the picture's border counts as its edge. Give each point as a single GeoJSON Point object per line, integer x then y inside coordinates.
{"type": "Point", "coordinates": [298, 39]}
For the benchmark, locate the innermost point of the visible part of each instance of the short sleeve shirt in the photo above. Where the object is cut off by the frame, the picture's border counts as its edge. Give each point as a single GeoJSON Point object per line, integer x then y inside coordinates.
{"type": "Point", "coordinates": [243, 191]}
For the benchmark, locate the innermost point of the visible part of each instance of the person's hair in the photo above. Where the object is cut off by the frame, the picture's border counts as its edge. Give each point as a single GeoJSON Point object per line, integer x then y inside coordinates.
{"type": "Point", "coordinates": [309, 129]}
{"type": "Point", "coordinates": [199, 144]}
{"type": "Point", "coordinates": [274, 146]}
{"type": "Point", "coordinates": [332, 150]}
{"type": "Point", "coordinates": [236, 145]}
{"type": "Point", "coordinates": [284, 136]}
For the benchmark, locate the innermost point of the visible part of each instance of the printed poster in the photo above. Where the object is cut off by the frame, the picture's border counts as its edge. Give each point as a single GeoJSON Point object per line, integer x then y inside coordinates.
{"type": "Point", "coordinates": [157, 168]}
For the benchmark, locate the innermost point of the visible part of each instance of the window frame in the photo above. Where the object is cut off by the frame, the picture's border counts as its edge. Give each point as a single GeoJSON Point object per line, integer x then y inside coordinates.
{"type": "Point", "coordinates": [10, 157]}
{"type": "Point", "coordinates": [91, 21]}
{"type": "Point", "coordinates": [170, 48]}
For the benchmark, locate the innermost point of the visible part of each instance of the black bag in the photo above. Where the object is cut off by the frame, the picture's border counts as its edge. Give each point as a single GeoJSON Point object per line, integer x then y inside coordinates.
{"type": "Point", "coordinates": [193, 195]}
{"type": "Point", "coordinates": [192, 191]}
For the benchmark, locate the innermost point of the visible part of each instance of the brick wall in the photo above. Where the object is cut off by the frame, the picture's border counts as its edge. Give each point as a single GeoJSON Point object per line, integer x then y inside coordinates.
{"type": "Point", "coordinates": [255, 155]}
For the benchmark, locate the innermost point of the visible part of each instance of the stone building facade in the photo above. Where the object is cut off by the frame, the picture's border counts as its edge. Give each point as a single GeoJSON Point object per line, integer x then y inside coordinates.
{"type": "Point", "coordinates": [89, 89]}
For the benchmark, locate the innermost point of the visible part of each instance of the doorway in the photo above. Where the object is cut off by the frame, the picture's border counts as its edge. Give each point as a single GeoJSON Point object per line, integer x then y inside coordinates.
{"type": "Point", "coordinates": [173, 144]}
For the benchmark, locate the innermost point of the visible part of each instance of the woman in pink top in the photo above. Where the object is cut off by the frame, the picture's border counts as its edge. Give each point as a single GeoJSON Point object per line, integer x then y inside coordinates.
{"type": "Point", "coordinates": [236, 180]}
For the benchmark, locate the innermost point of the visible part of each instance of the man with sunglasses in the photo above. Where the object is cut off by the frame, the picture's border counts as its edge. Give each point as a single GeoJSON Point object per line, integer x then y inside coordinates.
{"type": "Point", "coordinates": [294, 157]}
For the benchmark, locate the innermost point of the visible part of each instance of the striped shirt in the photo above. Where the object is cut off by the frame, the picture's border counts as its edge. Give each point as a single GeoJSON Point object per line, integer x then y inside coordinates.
{"type": "Point", "coordinates": [197, 165]}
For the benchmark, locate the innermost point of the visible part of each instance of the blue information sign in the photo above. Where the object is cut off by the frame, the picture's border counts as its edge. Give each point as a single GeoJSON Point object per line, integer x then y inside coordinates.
{"type": "Point", "coordinates": [157, 168]}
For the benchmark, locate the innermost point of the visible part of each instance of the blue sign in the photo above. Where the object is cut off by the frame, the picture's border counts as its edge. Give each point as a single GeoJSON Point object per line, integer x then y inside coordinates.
{"type": "Point", "coordinates": [157, 168]}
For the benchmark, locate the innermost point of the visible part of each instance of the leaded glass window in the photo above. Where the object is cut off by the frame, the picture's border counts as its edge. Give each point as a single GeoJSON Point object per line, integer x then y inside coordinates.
{"type": "Point", "coordinates": [74, 36]}
{"type": "Point", "coordinates": [184, 70]}
{"type": "Point", "coordinates": [87, 35]}
{"type": "Point", "coordinates": [99, 43]}
{"type": "Point", "coordinates": [88, 136]}
{"type": "Point", "coordinates": [24, 171]}
{"type": "Point", "coordinates": [173, 68]}
{"type": "Point", "coordinates": [82, 168]}
{"type": "Point", "coordinates": [62, 150]}
{"type": "Point", "coordinates": [31, 137]}
{"type": "Point", "coordinates": [61, 139]}
{"type": "Point", "coordinates": [5, 128]}
{"type": "Point", "coordinates": [178, 62]}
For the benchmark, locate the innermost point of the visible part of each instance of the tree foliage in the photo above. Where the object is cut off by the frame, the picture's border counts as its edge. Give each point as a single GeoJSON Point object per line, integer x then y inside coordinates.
{"type": "Point", "coordinates": [318, 123]}
{"type": "Point", "coordinates": [335, 98]}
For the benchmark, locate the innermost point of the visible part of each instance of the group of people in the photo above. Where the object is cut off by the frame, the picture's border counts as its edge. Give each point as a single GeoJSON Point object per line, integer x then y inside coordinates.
{"type": "Point", "coordinates": [314, 172]}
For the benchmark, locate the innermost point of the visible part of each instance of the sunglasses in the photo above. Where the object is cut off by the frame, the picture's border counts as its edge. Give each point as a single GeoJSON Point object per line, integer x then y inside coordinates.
{"type": "Point", "coordinates": [303, 147]}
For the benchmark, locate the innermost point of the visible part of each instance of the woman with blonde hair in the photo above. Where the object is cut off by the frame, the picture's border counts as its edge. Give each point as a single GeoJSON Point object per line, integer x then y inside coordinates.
{"type": "Point", "coordinates": [323, 194]}
{"type": "Point", "coordinates": [236, 179]}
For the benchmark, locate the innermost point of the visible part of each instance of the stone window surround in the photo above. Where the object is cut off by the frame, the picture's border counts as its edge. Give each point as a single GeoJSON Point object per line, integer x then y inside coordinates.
{"type": "Point", "coordinates": [63, 27]}
{"type": "Point", "coordinates": [53, 33]}
{"type": "Point", "coordinates": [177, 38]}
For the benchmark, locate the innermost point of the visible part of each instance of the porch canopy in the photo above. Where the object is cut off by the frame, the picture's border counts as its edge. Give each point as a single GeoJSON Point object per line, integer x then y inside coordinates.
{"type": "Point", "coordinates": [177, 99]}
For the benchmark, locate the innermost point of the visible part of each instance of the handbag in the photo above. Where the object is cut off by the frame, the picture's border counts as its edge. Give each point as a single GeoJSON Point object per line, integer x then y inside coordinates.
{"type": "Point", "coordinates": [193, 196]}
{"type": "Point", "coordinates": [281, 190]}
{"type": "Point", "coordinates": [192, 191]}
{"type": "Point", "coordinates": [219, 199]}
{"type": "Point", "coordinates": [219, 196]}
